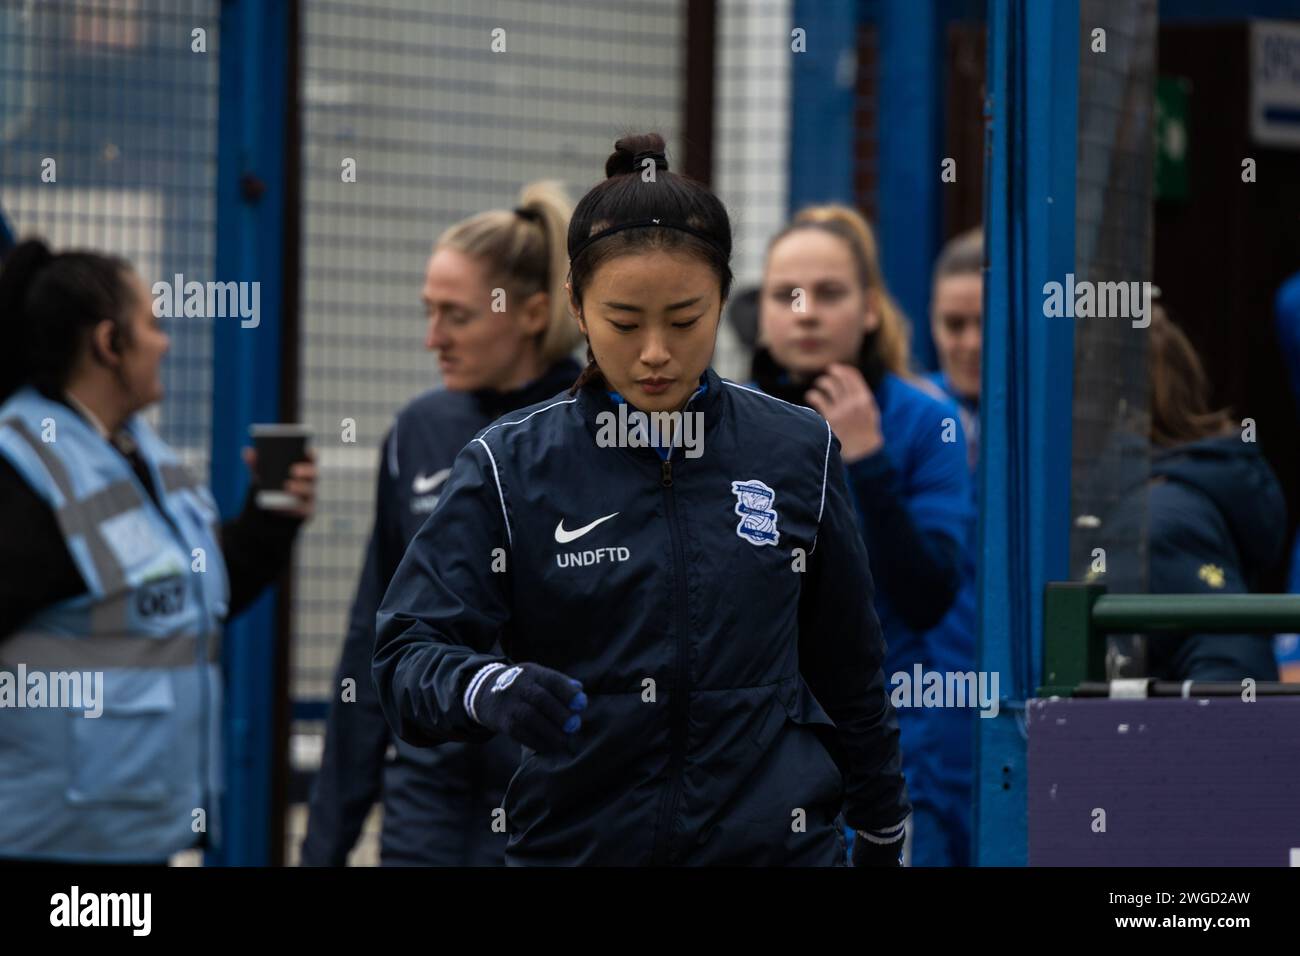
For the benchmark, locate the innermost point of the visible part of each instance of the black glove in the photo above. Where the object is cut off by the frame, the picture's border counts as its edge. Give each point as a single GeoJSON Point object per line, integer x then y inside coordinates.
{"type": "Point", "coordinates": [529, 703]}
{"type": "Point", "coordinates": [868, 850]}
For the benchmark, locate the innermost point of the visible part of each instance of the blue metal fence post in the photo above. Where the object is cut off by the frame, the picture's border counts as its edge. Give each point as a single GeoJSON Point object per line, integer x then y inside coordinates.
{"type": "Point", "coordinates": [1027, 385]}
{"type": "Point", "coordinates": [911, 115]}
{"type": "Point", "coordinates": [822, 96]}
{"type": "Point", "coordinates": [246, 373]}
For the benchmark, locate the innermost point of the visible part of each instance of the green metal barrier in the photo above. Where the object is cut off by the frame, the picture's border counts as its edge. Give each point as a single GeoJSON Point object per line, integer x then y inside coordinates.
{"type": "Point", "coordinates": [1077, 618]}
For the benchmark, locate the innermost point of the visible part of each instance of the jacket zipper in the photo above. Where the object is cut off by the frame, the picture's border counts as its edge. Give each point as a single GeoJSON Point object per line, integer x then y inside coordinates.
{"type": "Point", "coordinates": [680, 702]}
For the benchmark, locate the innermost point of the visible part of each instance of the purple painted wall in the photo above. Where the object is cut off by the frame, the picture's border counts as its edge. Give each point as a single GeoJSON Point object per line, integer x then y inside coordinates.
{"type": "Point", "coordinates": [1202, 782]}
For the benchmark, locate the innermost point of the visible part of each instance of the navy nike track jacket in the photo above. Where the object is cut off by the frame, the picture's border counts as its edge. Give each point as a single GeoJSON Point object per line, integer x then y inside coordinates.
{"type": "Point", "coordinates": [720, 621]}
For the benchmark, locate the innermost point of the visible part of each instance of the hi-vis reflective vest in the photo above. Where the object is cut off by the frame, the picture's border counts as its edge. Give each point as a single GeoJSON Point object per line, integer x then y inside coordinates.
{"type": "Point", "coordinates": [141, 780]}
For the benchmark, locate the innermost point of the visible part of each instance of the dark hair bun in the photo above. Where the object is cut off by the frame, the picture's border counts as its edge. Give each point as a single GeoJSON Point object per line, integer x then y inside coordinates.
{"type": "Point", "coordinates": [17, 275]}
{"type": "Point", "coordinates": [22, 265]}
{"type": "Point", "coordinates": [48, 305]}
{"type": "Point", "coordinates": [631, 150]}
{"type": "Point", "coordinates": [25, 260]}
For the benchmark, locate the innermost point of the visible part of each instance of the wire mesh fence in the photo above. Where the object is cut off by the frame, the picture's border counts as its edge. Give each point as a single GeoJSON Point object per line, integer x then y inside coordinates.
{"type": "Point", "coordinates": [1113, 238]}
{"type": "Point", "coordinates": [108, 141]}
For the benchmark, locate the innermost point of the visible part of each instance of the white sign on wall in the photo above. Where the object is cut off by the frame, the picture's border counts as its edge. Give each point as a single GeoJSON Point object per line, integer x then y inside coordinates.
{"type": "Point", "coordinates": [1275, 83]}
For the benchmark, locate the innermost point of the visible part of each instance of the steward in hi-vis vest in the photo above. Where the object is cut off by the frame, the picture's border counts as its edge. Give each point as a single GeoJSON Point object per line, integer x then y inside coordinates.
{"type": "Point", "coordinates": [116, 576]}
{"type": "Point", "coordinates": [127, 782]}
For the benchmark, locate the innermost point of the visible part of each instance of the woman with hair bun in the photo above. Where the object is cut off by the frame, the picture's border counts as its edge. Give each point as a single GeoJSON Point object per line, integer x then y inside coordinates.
{"type": "Point", "coordinates": [100, 578]}
{"type": "Point", "coordinates": [679, 633]}
{"type": "Point", "coordinates": [496, 352]}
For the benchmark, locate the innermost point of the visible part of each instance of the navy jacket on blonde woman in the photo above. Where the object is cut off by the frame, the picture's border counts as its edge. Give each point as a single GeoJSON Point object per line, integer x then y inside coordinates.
{"type": "Point", "coordinates": [716, 609]}
{"type": "Point", "coordinates": [438, 801]}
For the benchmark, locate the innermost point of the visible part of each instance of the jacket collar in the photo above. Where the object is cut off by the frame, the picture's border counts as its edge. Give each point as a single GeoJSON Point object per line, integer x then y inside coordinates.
{"type": "Point", "coordinates": [971, 403]}
{"type": "Point", "coordinates": [84, 410]}
{"type": "Point", "coordinates": [124, 439]}
{"type": "Point", "coordinates": [594, 398]}
{"type": "Point", "coordinates": [557, 378]}
{"type": "Point", "coordinates": [775, 380]}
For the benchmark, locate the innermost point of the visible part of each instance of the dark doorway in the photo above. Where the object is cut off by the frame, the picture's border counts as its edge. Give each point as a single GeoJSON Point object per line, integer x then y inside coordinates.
{"type": "Point", "coordinates": [1222, 251]}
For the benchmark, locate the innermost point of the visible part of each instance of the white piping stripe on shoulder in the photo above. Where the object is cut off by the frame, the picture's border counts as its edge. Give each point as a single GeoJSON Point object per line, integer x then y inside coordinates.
{"type": "Point", "coordinates": [510, 539]}
{"type": "Point", "coordinates": [756, 391]}
{"type": "Point", "coordinates": [825, 464]}
{"type": "Point", "coordinates": [567, 401]}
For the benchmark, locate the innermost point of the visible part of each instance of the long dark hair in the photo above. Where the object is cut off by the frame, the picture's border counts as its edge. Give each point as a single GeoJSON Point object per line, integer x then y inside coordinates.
{"type": "Point", "coordinates": [1180, 390]}
{"type": "Point", "coordinates": [625, 196]}
{"type": "Point", "coordinates": [49, 303]}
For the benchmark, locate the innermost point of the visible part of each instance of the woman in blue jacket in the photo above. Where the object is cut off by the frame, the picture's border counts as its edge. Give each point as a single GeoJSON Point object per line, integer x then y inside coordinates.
{"type": "Point", "coordinates": [834, 339]}
{"type": "Point", "coordinates": [688, 651]}
{"type": "Point", "coordinates": [438, 802]}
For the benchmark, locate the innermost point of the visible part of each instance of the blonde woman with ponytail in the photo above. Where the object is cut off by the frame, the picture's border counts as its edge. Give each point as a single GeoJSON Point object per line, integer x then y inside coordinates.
{"type": "Point", "coordinates": [833, 338]}
{"type": "Point", "coordinates": [498, 323]}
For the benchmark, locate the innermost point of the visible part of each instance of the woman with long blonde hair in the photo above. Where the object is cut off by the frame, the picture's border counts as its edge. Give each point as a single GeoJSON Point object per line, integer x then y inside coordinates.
{"type": "Point", "coordinates": [833, 338]}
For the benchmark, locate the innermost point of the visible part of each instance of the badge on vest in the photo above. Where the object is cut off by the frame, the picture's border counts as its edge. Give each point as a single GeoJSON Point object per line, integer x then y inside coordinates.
{"type": "Point", "coordinates": [131, 538]}
{"type": "Point", "coordinates": [757, 516]}
{"type": "Point", "coordinates": [161, 598]}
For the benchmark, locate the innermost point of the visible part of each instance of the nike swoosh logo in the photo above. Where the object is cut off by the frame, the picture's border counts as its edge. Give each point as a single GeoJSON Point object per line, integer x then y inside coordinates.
{"type": "Point", "coordinates": [422, 485]}
{"type": "Point", "coordinates": [564, 537]}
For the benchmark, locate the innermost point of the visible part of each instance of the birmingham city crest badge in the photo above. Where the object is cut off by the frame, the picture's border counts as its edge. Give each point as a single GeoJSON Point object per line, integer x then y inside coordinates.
{"type": "Point", "coordinates": [757, 516]}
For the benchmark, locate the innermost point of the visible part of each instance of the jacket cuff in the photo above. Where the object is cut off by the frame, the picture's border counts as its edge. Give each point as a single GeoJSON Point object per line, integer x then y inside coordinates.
{"type": "Point", "coordinates": [472, 688]}
{"type": "Point", "coordinates": [885, 836]}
